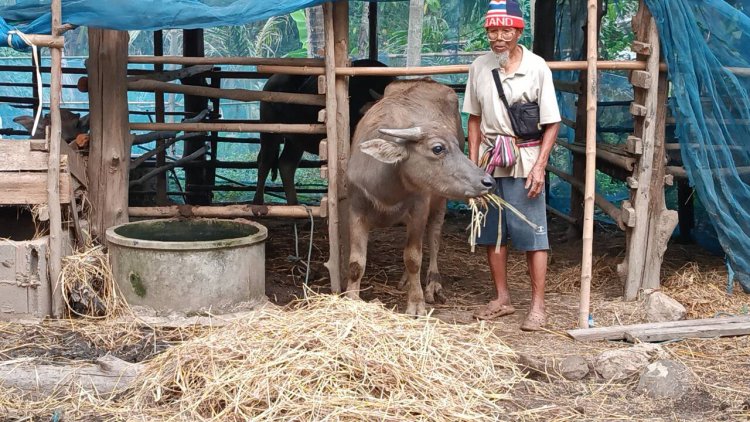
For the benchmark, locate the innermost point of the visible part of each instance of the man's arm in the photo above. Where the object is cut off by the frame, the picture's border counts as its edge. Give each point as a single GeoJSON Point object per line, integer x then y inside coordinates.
{"type": "Point", "coordinates": [535, 180]}
{"type": "Point", "coordinates": [475, 137]}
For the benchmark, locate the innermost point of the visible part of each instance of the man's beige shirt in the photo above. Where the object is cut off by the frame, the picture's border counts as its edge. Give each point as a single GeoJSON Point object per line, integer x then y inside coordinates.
{"type": "Point", "coordinates": [532, 81]}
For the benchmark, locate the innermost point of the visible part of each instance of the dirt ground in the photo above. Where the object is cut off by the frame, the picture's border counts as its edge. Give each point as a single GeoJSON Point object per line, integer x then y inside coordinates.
{"type": "Point", "coordinates": [720, 389]}
{"type": "Point", "coordinates": [690, 275]}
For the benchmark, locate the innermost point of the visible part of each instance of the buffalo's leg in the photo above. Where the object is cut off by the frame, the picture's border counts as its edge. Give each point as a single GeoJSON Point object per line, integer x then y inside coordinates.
{"type": "Point", "coordinates": [358, 236]}
{"type": "Point", "coordinates": [267, 156]}
{"type": "Point", "coordinates": [288, 163]}
{"type": "Point", "coordinates": [434, 290]}
{"type": "Point", "coordinates": [413, 263]}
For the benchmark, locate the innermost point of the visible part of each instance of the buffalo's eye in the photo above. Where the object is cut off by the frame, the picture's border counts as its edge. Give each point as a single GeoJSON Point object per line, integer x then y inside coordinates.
{"type": "Point", "coordinates": [438, 149]}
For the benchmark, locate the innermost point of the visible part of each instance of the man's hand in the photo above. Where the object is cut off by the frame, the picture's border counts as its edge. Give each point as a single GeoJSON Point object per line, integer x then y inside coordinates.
{"type": "Point", "coordinates": [535, 181]}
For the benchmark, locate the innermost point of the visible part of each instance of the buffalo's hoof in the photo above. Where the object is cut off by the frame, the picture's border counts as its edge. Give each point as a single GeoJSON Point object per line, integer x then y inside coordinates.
{"type": "Point", "coordinates": [433, 293]}
{"type": "Point", "coordinates": [352, 294]}
{"type": "Point", "coordinates": [416, 309]}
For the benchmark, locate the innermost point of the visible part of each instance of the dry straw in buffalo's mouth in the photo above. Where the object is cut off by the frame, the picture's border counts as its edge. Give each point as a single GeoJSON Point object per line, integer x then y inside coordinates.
{"type": "Point", "coordinates": [330, 357]}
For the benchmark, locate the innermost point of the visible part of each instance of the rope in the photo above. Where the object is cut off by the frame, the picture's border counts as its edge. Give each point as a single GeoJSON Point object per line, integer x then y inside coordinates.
{"type": "Point", "coordinates": [38, 73]}
{"type": "Point", "coordinates": [296, 257]}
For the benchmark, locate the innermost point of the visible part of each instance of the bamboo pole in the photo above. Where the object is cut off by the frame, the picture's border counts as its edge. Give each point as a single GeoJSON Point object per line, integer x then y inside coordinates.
{"type": "Point", "coordinates": [589, 189]}
{"type": "Point", "coordinates": [147, 85]}
{"type": "Point", "coordinates": [232, 127]}
{"type": "Point", "coordinates": [333, 263]}
{"type": "Point", "coordinates": [229, 211]}
{"type": "Point", "coordinates": [53, 169]}
{"type": "Point", "coordinates": [248, 61]}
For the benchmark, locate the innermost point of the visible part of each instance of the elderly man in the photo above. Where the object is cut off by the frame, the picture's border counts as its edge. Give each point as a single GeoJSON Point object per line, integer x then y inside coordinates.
{"type": "Point", "coordinates": [524, 78]}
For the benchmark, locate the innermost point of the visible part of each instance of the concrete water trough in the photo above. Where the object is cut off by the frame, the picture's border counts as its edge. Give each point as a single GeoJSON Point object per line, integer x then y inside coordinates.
{"type": "Point", "coordinates": [188, 265]}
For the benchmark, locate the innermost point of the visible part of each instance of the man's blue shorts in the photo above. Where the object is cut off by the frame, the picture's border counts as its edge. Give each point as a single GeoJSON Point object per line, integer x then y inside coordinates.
{"type": "Point", "coordinates": [522, 236]}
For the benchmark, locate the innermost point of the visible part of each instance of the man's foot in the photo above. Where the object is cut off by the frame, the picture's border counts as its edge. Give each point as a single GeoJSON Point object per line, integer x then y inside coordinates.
{"type": "Point", "coordinates": [534, 321]}
{"type": "Point", "coordinates": [494, 310]}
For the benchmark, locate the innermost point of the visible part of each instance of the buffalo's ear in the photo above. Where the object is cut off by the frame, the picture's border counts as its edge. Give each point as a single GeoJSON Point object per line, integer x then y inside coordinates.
{"type": "Point", "coordinates": [389, 152]}
{"type": "Point", "coordinates": [26, 121]}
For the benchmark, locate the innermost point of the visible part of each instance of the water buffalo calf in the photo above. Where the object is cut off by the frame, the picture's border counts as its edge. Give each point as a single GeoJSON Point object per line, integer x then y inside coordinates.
{"type": "Point", "coordinates": [407, 160]}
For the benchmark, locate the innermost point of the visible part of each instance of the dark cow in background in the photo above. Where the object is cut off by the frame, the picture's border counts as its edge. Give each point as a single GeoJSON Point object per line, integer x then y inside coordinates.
{"type": "Point", "coordinates": [72, 124]}
{"type": "Point", "coordinates": [407, 159]}
{"type": "Point", "coordinates": [363, 91]}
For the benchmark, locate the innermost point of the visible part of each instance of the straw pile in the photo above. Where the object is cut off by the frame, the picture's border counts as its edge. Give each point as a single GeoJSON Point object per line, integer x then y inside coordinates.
{"type": "Point", "coordinates": [330, 357]}
{"type": "Point", "coordinates": [88, 285]}
{"type": "Point", "coordinates": [702, 290]}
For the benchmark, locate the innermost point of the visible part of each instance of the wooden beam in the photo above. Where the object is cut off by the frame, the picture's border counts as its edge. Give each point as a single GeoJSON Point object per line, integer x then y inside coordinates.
{"type": "Point", "coordinates": [674, 333]}
{"type": "Point", "coordinates": [560, 214]}
{"type": "Point", "coordinates": [54, 189]}
{"type": "Point", "coordinates": [334, 262]}
{"type": "Point", "coordinates": [109, 150]}
{"type": "Point", "coordinates": [247, 61]}
{"type": "Point", "coordinates": [654, 224]}
{"type": "Point", "coordinates": [609, 208]}
{"type": "Point", "coordinates": [228, 211]}
{"type": "Point", "coordinates": [619, 160]}
{"type": "Point", "coordinates": [232, 127]}
{"type": "Point", "coordinates": [451, 69]}
{"type": "Point", "coordinates": [30, 188]}
{"type": "Point", "coordinates": [372, 21]}
{"type": "Point", "coordinates": [618, 332]}
{"type": "Point", "coordinates": [146, 85]}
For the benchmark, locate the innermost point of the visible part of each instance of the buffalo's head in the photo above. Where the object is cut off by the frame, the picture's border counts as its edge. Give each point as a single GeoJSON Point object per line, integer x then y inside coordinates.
{"type": "Point", "coordinates": [430, 159]}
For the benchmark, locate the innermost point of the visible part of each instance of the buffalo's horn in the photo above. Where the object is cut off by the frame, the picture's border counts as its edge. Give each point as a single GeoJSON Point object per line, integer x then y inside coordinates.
{"type": "Point", "coordinates": [375, 96]}
{"type": "Point", "coordinates": [410, 134]}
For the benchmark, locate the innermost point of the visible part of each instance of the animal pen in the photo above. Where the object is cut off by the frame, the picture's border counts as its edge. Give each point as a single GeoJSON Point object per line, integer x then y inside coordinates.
{"type": "Point", "coordinates": [103, 177]}
{"type": "Point", "coordinates": [685, 71]}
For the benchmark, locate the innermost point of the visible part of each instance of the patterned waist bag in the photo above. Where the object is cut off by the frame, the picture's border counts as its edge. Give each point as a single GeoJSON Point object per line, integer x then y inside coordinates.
{"type": "Point", "coordinates": [503, 153]}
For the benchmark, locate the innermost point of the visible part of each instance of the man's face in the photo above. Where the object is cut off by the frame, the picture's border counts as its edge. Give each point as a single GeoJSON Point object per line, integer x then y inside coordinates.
{"type": "Point", "coordinates": [503, 38]}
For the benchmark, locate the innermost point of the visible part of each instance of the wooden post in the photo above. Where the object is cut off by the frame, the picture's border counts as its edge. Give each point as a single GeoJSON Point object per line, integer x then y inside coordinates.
{"type": "Point", "coordinates": [414, 39]}
{"type": "Point", "coordinates": [590, 184]}
{"type": "Point", "coordinates": [544, 25]}
{"type": "Point", "coordinates": [109, 153]}
{"type": "Point", "coordinates": [193, 46]}
{"type": "Point", "coordinates": [161, 157]}
{"type": "Point", "coordinates": [654, 224]}
{"type": "Point", "coordinates": [336, 21]}
{"type": "Point", "coordinates": [373, 30]}
{"type": "Point", "coordinates": [53, 169]}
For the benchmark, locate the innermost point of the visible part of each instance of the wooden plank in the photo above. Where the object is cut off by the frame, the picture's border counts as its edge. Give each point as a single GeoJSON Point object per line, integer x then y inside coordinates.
{"type": "Point", "coordinates": [640, 47]}
{"type": "Point", "coordinates": [634, 145]}
{"type": "Point", "coordinates": [637, 109]}
{"type": "Point", "coordinates": [18, 156]}
{"type": "Point", "coordinates": [30, 188]}
{"type": "Point", "coordinates": [74, 162]}
{"type": "Point", "coordinates": [641, 79]}
{"type": "Point", "coordinates": [618, 332]}
{"type": "Point", "coordinates": [226, 211]}
{"type": "Point", "coordinates": [703, 331]}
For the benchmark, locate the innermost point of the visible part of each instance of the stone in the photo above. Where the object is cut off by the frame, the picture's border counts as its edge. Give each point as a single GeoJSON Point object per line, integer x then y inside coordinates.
{"type": "Point", "coordinates": [662, 308]}
{"type": "Point", "coordinates": [621, 364]}
{"type": "Point", "coordinates": [574, 368]}
{"type": "Point", "coordinates": [664, 379]}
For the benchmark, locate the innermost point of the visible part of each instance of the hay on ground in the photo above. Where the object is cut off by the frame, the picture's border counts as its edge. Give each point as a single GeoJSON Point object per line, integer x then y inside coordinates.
{"type": "Point", "coordinates": [331, 357]}
{"type": "Point", "coordinates": [88, 286]}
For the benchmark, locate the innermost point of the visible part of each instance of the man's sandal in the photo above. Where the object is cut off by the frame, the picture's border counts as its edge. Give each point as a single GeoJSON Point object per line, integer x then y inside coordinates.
{"type": "Point", "coordinates": [490, 312]}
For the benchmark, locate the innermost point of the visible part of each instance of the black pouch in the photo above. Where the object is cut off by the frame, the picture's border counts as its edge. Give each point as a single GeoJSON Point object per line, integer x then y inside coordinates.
{"type": "Point", "coordinates": [524, 117]}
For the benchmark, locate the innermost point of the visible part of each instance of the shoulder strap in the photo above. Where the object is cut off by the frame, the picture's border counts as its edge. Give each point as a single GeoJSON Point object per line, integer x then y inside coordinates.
{"type": "Point", "coordinates": [499, 86]}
